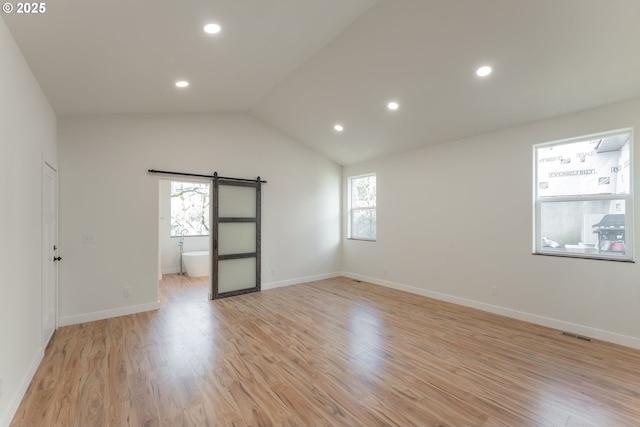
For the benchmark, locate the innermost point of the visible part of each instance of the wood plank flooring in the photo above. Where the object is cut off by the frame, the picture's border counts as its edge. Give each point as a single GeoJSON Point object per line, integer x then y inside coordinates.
{"type": "Point", "coordinates": [329, 353]}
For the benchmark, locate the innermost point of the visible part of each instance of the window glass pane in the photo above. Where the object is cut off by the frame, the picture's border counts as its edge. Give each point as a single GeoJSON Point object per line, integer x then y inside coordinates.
{"type": "Point", "coordinates": [363, 224]}
{"type": "Point", "coordinates": [189, 209]}
{"type": "Point", "coordinates": [593, 166]}
{"type": "Point", "coordinates": [583, 227]}
{"type": "Point", "coordinates": [363, 191]}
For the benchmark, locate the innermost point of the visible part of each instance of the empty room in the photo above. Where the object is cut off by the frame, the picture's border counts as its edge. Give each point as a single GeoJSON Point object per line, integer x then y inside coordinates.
{"type": "Point", "coordinates": [191, 191]}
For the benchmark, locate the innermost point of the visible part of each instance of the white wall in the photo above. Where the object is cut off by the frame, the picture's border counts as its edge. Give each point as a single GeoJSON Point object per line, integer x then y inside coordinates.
{"type": "Point", "coordinates": [27, 136]}
{"type": "Point", "coordinates": [456, 219]}
{"type": "Point", "coordinates": [106, 192]}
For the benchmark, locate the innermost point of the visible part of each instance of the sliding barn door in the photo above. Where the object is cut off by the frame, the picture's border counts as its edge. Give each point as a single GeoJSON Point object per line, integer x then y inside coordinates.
{"type": "Point", "coordinates": [236, 237]}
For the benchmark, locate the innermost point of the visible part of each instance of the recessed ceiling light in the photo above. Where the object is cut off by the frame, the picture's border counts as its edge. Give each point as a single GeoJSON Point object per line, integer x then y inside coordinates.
{"type": "Point", "coordinates": [483, 71]}
{"type": "Point", "coordinates": [393, 105]}
{"type": "Point", "coordinates": [338, 127]}
{"type": "Point", "coordinates": [182, 83]}
{"type": "Point", "coordinates": [212, 28]}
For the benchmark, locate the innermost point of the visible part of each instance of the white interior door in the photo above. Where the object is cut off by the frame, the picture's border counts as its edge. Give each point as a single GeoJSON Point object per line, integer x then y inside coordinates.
{"type": "Point", "coordinates": [49, 252]}
{"type": "Point", "coordinates": [235, 227]}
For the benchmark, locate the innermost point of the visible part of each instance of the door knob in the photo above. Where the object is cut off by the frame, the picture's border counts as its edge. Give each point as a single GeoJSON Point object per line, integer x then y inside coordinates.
{"type": "Point", "coordinates": [57, 258]}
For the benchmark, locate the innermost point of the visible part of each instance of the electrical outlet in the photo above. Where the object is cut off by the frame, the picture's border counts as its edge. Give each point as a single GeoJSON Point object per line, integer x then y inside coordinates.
{"type": "Point", "coordinates": [127, 292]}
{"type": "Point", "coordinates": [494, 290]}
{"type": "Point", "coordinates": [385, 270]}
{"type": "Point", "coordinates": [88, 239]}
{"type": "Point", "coordinates": [274, 271]}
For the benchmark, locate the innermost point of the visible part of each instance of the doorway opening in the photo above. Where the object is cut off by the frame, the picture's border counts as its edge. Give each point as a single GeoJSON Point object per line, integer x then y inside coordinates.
{"type": "Point", "coordinates": [184, 234]}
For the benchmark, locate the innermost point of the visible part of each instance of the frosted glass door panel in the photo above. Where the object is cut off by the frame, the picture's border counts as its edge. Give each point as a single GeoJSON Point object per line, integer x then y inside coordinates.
{"type": "Point", "coordinates": [236, 274]}
{"type": "Point", "coordinates": [237, 201]}
{"type": "Point", "coordinates": [236, 238]}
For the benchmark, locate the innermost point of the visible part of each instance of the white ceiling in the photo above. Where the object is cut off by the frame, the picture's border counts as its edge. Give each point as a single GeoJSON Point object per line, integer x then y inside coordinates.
{"type": "Point", "coordinates": [304, 65]}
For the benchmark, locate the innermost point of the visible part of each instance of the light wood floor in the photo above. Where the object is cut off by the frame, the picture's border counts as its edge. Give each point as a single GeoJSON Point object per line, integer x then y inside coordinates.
{"type": "Point", "coordinates": [328, 353]}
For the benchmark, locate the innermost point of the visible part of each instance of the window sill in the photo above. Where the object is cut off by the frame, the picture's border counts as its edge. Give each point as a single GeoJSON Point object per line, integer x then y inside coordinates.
{"type": "Point", "coordinates": [589, 256]}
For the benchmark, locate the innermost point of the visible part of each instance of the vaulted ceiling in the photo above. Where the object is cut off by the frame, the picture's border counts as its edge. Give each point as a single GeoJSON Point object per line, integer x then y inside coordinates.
{"type": "Point", "coordinates": [304, 66]}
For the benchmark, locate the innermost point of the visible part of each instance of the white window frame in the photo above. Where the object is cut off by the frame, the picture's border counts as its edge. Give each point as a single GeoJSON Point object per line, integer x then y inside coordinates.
{"type": "Point", "coordinates": [352, 209]}
{"type": "Point", "coordinates": [538, 248]}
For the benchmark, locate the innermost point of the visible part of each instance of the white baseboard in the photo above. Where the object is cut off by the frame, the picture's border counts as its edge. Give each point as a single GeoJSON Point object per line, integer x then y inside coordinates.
{"type": "Point", "coordinates": [107, 314]}
{"type": "Point", "coordinates": [299, 280]}
{"type": "Point", "coordinates": [16, 398]}
{"type": "Point", "coordinates": [561, 325]}
{"type": "Point", "coordinates": [123, 311]}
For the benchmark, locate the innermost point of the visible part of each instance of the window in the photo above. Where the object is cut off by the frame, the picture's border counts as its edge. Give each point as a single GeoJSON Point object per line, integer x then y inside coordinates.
{"type": "Point", "coordinates": [583, 197]}
{"type": "Point", "coordinates": [189, 209]}
{"type": "Point", "coordinates": [362, 207]}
